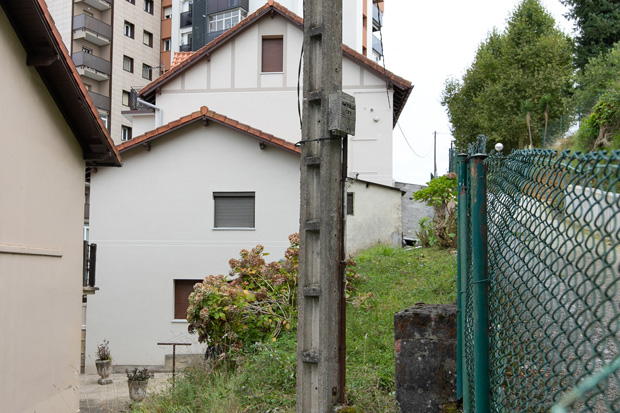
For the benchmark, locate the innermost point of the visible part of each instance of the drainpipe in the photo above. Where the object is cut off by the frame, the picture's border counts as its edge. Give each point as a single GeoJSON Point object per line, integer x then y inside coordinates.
{"type": "Point", "coordinates": [159, 110]}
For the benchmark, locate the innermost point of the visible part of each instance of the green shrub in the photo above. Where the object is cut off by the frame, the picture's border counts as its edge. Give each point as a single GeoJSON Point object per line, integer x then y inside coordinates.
{"type": "Point", "coordinates": [441, 195]}
{"type": "Point", "coordinates": [259, 303]}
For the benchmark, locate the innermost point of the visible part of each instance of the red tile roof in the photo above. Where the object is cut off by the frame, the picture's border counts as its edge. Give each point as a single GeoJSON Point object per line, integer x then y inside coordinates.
{"type": "Point", "coordinates": [46, 51]}
{"type": "Point", "coordinates": [402, 87]}
{"type": "Point", "coordinates": [204, 114]}
{"type": "Point", "coordinates": [180, 57]}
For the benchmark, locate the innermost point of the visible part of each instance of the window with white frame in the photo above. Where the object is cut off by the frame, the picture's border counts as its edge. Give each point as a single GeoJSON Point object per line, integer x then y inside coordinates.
{"type": "Point", "coordinates": [167, 13]}
{"type": "Point", "coordinates": [128, 29]}
{"type": "Point", "coordinates": [125, 133]}
{"type": "Point", "coordinates": [234, 210]}
{"type": "Point", "coordinates": [225, 20]}
{"type": "Point", "coordinates": [166, 46]}
{"type": "Point", "coordinates": [272, 57]}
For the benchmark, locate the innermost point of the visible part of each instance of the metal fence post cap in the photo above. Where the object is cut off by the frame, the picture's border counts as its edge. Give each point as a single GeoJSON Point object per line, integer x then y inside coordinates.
{"type": "Point", "coordinates": [479, 155]}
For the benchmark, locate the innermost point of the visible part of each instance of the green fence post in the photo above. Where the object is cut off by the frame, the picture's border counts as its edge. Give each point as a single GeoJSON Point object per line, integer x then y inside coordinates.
{"type": "Point", "coordinates": [480, 282]}
{"type": "Point", "coordinates": [462, 387]}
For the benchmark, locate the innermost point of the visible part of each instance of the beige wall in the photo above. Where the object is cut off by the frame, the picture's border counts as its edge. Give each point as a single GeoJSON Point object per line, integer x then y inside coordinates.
{"type": "Point", "coordinates": [136, 49]}
{"type": "Point", "coordinates": [41, 217]}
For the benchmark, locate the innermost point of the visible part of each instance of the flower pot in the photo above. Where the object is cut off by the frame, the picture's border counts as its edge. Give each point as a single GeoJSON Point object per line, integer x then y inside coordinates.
{"type": "Point", "coordinates": [137, 389]}
{"type": "Point", "coordinates": [104, 368]}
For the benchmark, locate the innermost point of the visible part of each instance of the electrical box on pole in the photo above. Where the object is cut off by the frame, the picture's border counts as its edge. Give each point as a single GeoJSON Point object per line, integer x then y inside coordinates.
{"type": "Point", "coordinates": [328, 116]}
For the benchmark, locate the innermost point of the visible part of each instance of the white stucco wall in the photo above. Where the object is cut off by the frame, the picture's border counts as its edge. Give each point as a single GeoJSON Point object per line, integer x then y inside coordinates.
{"type": "Point", "coordinates": [376, 217]}
{"type": "Point", "coordinates": [231, 84]}
{"type": "Point", "coordinates": [153, 223]}
{"type": "Point", "coordinates": [41, 218]}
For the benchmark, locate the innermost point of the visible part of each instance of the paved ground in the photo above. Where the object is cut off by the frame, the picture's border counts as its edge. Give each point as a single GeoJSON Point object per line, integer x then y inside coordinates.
{"type": "Point", "coordinates": [96, 398]}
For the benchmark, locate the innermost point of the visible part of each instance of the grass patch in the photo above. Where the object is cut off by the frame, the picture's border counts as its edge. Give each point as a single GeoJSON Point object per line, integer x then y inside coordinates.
{"type": "Point", "coordinates": [390, 280]}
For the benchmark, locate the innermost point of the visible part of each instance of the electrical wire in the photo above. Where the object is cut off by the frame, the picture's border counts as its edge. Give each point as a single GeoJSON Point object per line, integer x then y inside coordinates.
{"type": "Point", "coordinates": [408, 144]}
{"type": "Point", "coordinates": [301, 125]}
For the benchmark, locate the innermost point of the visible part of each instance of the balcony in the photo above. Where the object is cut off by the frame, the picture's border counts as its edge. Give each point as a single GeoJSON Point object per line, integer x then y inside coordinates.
{"type": "Point", "coordinates": [186, 47]}
{"type": "Point", "coordinates": [101, 102]}
{"type": "Point", "coordinates": [92, 30]}
{"type": "Point", "coordinates": [91, 66]}
{"type": "Point", "coordinates": [186, 19]}
{"type": "Point", "coordinates": [216, 6]}
{"type": "Point", "coordinates": [377, 18]}
{"type": "Point", "coordinates": [100, 5]}
{"type": "Point", "coordinates": [376, 45]}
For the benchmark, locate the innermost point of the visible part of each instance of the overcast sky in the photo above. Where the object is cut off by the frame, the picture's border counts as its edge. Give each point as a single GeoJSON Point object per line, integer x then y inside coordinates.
{"type": "Point", "coordinates": [426, 42]}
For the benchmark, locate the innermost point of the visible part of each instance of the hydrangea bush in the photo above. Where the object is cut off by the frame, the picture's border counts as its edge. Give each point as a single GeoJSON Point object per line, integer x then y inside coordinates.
{"type": "Point", "coordinates": [256, 305]}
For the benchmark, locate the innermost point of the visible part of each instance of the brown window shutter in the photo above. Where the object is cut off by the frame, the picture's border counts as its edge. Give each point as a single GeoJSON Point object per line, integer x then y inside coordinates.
{"type": "Point", "coordinates": [182, 290]}
{"type": "Point", "coordinates": [273, 50]}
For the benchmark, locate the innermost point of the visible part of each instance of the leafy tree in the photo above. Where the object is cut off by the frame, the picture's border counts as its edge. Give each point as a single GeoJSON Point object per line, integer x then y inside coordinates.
{"type": "Point", "coordinates": [527, 61]}
{"type": "Point", "coordinates": [598, 24]}
{"type": "Point", "coordinates": [598, 76]}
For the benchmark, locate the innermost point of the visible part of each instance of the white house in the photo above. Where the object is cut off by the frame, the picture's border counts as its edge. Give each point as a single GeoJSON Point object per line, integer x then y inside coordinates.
{"type": "Point", "coordinates": [50, 132]}
{"type": "Point", "coordinates": [192, 194]}
{"type": "Point", "coordinates": [251, 73]}
{"type": "Point", "coordinates": [197, 188]}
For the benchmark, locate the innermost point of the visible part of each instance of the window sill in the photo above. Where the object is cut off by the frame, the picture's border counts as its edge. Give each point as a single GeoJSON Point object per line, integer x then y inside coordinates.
{"type": "Point", "coordinates": [179, 321]}
{"type": "Point", "coordinates": [234, 229]}
{"type": "Point", "coordinates": [271, 73]}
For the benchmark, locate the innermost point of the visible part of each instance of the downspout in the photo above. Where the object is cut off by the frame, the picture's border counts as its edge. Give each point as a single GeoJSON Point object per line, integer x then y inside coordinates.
{"type": "Point", "coordinates": [160, 111]}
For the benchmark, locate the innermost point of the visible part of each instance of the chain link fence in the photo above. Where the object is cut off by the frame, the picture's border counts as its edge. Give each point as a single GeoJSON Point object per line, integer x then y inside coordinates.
{"type": "Point", "coordinates": [551, 277]}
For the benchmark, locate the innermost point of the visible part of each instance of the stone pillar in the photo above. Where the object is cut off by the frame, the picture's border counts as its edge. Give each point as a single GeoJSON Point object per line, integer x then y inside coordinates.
{"type": "Point", "coordinates": [425, 349]}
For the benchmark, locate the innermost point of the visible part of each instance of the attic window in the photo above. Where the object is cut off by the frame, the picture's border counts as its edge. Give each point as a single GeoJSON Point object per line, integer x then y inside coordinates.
{"type": "Point", "coordinates": [272, 55]}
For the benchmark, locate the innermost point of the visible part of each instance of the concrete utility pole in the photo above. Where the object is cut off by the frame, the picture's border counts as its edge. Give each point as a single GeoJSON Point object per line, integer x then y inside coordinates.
{"type": "Point", "coordinates": [320, 380]}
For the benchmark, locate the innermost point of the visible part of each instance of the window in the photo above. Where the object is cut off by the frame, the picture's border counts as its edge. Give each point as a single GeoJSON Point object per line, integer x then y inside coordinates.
{"type": "Point", "coordinates": [87, 50]}
{"type": "Point", "coordinates": [131, 1]}
{"type": "Point", "coordinates": [148, 6]}
{"type": "Point", "coordinates": [182, 290]}
{"type": "Point", "coordinates": [104, 118]}
{"type": "Point", "coordinates": [234, 209]}
{"type": "Point", "coordinates": [146, 72]}
{"type": "Point", "coordinates": [272, 57]}
{"type": "Point", "coordinates": [167, 13]}
{"type": "Point", "coordinates": [125, 98]}
{"type": "Point", "coordinates": [125, 133]}
{"type": "Point", "coordinates": [226, 20]}
{"type": "Point", "coordinates": [166, 45]}
{"type": "Point", "coordinates": [127, 64]}
{"type": "Point", "coordinates": [350, 203]}
{"type": "Point", "coordinates": [147, 39]}
{"type": "Point", "coordinates": [129, 29]}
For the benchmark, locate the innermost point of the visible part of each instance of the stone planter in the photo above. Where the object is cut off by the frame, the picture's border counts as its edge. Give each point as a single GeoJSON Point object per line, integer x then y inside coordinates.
{"type": "Point", "coordinates": [104, 369]}
{"type": "Point", "coordinates": [137, 389]}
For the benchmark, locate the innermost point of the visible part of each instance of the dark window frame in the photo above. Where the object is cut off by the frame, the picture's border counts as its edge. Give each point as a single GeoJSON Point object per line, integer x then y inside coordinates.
{"type": "Point", "coordinates": [148, 70]}
{"type": "Point", "coordinates": [129, 27]}
{"type": "Point", "coordinates": [130, 61]}
{"type": "Point", "coordinates": [149, 5]}
{"type": "Point", "coordinates": [148, 35]}
{"type": "Point", "coordinates": [129, 133]}
{"type": "Point", "coordinates": [350, 201]}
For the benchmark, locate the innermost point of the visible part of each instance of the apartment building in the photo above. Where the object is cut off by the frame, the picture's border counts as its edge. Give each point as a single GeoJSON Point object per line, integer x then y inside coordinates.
{"type": "Point", "coordinates": [188, 25]}
{"type": "Point", "coordinates": [115, 45]}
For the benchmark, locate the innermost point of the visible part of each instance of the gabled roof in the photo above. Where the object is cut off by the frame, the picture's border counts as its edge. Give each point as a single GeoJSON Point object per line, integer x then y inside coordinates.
{"type": "Point", "coordinates": [402, 87]}
{"type": "Point", "coordinates": [45, 50]}
{"type": "Point", "coordinates": [206, 115]}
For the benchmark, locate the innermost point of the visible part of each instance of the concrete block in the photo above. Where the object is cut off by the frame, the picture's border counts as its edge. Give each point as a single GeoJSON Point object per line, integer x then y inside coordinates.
{"type": "Point", "coordinates": [425, 350]}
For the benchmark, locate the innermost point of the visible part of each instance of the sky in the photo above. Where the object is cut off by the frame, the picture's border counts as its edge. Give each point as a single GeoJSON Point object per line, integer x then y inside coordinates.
{"type": "Point", "coordinates": [427, 42]}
